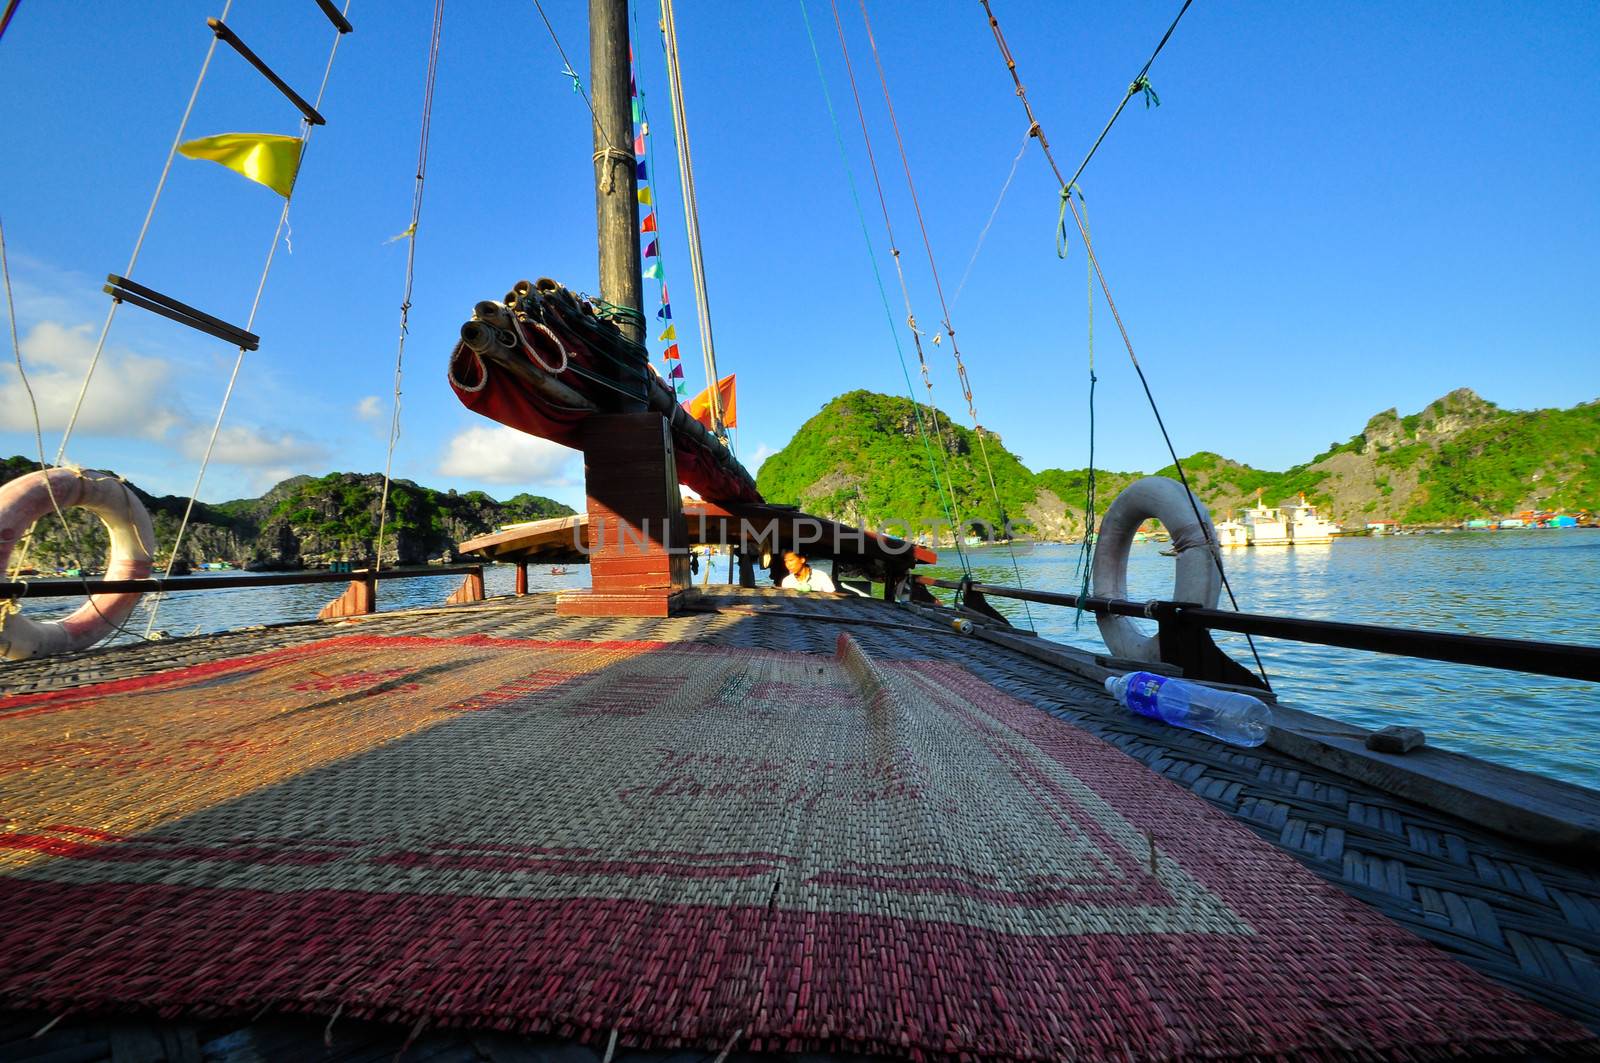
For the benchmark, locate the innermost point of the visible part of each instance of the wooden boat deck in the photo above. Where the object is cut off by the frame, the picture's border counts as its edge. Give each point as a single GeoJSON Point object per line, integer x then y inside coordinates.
{"type": "Point", "coordinates": [1529, 918]}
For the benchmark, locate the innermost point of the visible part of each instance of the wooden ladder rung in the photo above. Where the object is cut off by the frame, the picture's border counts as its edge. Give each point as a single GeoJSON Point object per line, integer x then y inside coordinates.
{"type": "Point", "coordinates": [221, 29]}
{"type": "Point", "coordinates": [335, 16]}
{"type": "Point", "coordinates": [124, 290]}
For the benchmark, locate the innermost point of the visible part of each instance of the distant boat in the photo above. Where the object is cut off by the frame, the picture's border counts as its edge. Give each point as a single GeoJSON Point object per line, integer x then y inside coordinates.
{"type": "Point", "coordinates": [1264, 525]}
{"type": "Point", "coordinates": [1294, 523]}
{"type": "Point", "coordinates": [1304, 526]}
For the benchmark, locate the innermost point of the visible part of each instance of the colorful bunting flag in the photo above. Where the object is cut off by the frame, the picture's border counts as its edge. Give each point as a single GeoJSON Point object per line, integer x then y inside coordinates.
{"type": "Point", "coordinates": [637, 113]}
{"type": "Point", "coordinates": [651, 252]}
{"type": "Point", "coordinates": [682, 390]}
{"type": "Point", "coordinates": [677, 371]}
{"type": "Point", "coordinates": [670, 334]}
{"type": "Point", "coordinates": [665, 313]}
{"type": "Point", "coordinates": [265, 158]}
{"type": "Point", "coordinates": [643, 175]}
{"type": "Point", "coordinates": [649, 224]}
{"type": "Point", "coordinates": [638, 145]}
{"type": "Point", "coordinates": [700, 405]}
{"type": "Point", "coordinates": [644, 196]}
{"type": "Point", "coordinates": [653, 271]}
{"type": "Point", "coordinates": [670, 352]}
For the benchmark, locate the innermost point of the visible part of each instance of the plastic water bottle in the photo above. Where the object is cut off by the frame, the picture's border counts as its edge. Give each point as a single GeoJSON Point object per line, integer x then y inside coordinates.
{"type": "Point", "coordinates": [1235, 718]}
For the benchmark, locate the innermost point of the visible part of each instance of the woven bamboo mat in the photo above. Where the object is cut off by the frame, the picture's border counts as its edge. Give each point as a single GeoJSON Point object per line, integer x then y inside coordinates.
{"type": "Point", "coordinates": [684, 844]}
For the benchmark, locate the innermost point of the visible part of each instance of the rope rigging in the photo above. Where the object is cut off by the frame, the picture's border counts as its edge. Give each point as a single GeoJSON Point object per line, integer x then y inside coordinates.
{"type": "Point", "coordinates": [19, 559]}
{"type": "Point", "coordinates": [1022, 149]}
{"type": "Point", "coordinates": [138, 243]}
{"type": "Point", "coordinates": [411, 262]}
{"type": "Point", "coordinates": [952, 510]}
{"type": "Point", "coordinates": [883, 294]}
{"type": "Point", "coordinates": [1140, 84]}
{"type": "Point", "coordinates": [111, 312]}
{"type": "Point", "coordinates": [691, 214]}
{"type": "Point", "coordinates": [1094, 263]}
{"type": "Point", "coordinates": [933, 268]}
{"type": "Point", "coordinates": [306, 126]}
{"type": "Point", "coordinates": [1085, 562]}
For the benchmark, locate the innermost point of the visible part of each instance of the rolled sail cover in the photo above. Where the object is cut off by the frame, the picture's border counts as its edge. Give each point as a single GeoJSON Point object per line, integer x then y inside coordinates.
{"type": "Point", "coordinates": [543, 362]}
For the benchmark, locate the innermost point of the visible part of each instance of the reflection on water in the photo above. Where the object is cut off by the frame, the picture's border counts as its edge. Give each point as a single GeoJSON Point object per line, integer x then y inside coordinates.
{"type": "Point", "coordinates": [1531, 584]}
{"type": "Point", "coordinates": [1525, 584]}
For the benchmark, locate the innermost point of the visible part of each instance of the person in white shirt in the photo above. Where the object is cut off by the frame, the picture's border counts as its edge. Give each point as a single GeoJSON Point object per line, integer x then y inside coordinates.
{"type": "Point", "coordinates": [802, 577]}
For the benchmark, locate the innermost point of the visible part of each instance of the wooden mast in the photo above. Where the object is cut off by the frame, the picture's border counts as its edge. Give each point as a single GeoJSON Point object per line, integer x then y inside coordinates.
{"type": "Point", "coordinates": [638, 545]}
{"type": "Point", "coordinates": [616, 186]}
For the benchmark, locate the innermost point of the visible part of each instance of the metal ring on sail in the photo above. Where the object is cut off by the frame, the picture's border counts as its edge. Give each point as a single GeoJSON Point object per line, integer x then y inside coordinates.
{"type": "Point", "coordinates": [1199, 567]}
{"type": "Point", "coordinates": [27, 498]}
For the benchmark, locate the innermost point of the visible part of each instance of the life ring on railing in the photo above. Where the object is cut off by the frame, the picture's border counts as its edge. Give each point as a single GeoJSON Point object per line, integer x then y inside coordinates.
{"type": "Point", "coordinates": [1194, 541]}
{"type": "Point", "coordinates": [28, 498]}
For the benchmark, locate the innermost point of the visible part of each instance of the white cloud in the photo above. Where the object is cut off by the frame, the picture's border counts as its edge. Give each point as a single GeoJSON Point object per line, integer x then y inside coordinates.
{"type": "Point", "coordinates": [242, 444]}
{"type": "Point", "coordinates": [369, 408]}
{"type": "Point", "coordinates": [763, 452]}
{"type": "Point", "coordinates": [129, 395]}
{"type": "Point", "coordinates": [505, 456]}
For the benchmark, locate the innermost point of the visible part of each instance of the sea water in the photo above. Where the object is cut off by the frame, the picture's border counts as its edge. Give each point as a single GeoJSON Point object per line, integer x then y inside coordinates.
{"type": "Point", "coordinates": [1537, 584]}
{"type": "Point", "coordinates": [1541, 584]}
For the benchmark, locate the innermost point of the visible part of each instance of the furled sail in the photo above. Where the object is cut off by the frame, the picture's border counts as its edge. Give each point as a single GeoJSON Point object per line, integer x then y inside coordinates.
{"type": "Point", "coordinates": [543, 361]}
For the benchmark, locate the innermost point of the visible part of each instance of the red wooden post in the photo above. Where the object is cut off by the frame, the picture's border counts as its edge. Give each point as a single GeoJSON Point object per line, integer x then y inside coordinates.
{"type": "Point", "coordinates": [638, 544]}
{"type": "Point", "coordinates": [522, 578]}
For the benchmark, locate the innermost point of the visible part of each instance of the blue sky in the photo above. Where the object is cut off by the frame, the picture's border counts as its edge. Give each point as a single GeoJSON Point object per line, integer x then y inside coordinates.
{"type": "Point", "coordinates": [1335, 209]}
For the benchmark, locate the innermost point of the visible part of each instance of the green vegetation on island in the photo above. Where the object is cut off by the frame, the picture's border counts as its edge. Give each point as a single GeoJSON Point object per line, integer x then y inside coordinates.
{"type": "Point", "coordinates": [862, 459]}
{"type": "Point", "coordinates": [303, 521]}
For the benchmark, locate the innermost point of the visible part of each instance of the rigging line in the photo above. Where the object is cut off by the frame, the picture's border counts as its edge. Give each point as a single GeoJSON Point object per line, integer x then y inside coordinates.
{"type": "Point", "coordinates": [883, 293]}
{"type": "Point", "coordinates": [938, 287]}
{"type": "Point", "coordinates": [255, 305]}
{"type": "Point", "coordinates": [691, 215]}
{"type": "Point", "coordinates": [953, 511]}
{"type": "Point", "coordinates": [19, 557]}
{"type": "Point", "coordinates": [411, 260]}
{"type": "Point", "coordinates": [138, 244]}
{"type": "Point", "coordinates": [612, 153]}
{"type": "Point", "coordinates": [1134, 87]}
{"type": "Point", "coordinates": [1086, 551]}
{"type": "Point", "coordinates": [1094, 262]}
{"type": "Point", "coordinates": [1022, 149]}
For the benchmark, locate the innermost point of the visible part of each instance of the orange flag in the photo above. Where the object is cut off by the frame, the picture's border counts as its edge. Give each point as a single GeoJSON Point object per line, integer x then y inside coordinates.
{"type": "Point", "coordinates": [700, 405]}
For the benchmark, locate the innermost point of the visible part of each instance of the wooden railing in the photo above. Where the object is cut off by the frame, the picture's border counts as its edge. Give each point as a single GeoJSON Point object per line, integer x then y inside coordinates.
{"type": "Point", "coordinates": [359, 598]}
{"type": "Point", "coordinates": [1184, 637]}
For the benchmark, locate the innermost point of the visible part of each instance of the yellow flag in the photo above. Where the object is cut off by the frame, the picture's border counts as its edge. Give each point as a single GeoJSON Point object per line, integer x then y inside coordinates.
{"type": "Point", "coordinates": [670, 334]}
{"type": "Point", "coordinates": [265, 158]}
{"type": "Point", "coordinates": [644, 195]}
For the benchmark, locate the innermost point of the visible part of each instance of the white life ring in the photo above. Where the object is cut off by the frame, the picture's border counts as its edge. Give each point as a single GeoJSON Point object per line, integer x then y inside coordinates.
{"type": "Point", "coordinates": [28, 498]}
{"type": "Point", "coordinates": [1199, 561]}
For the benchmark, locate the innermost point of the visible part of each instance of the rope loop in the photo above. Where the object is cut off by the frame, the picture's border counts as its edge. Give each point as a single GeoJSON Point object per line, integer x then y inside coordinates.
{"type": "Point", "coordinates": [533, 352]}
{"type": "Point", "coordinates": [1062, 243]}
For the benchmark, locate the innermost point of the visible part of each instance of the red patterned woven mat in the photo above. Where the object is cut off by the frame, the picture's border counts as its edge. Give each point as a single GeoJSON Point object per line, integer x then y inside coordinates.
{"type": "Point", "coordinates": [687, 845]}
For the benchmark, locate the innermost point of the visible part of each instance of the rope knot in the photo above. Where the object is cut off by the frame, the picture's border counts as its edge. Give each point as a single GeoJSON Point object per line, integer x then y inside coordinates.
{"type": "Point", "coordinates": [1142, 84]}
{"type": "Point", "coordinates": [610, 154]}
